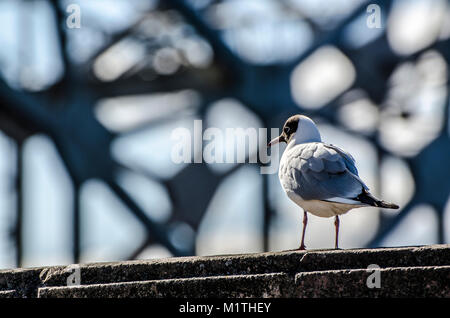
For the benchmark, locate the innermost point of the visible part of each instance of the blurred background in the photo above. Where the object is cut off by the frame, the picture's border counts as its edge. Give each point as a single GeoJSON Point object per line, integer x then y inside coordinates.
{"type": "Point", "coordinates": [86, 115]}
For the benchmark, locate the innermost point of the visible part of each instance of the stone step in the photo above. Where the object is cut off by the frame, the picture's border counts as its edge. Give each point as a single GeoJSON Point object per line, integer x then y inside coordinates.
{"type": "Point", "coordinates": [8, 294]}
{"type": "Point", "coordinates": [261, 263]}
{"type": "Point", "coordinates": [24, 281]}
{"type": "Point", "coordinates": [236, 286]}
{"type": "Point", "coordinates": [27, 281]}
{"type": "Point", "coordinates": [424, 281]}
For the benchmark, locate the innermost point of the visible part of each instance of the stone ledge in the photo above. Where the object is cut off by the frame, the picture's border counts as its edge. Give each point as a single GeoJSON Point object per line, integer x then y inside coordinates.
{"type": "Point", "coordinates": [245, 264]}
{"type": "Point", "coordinates": [8, 294]}
{"type": "Point", "coordinates": [27, 281]}
{"type": "Point", "coordinates": [24, 281]}
{"type": "Point", "coordinates": [236, 286]}
{"type": "Point", "coordinates": [426, 281]}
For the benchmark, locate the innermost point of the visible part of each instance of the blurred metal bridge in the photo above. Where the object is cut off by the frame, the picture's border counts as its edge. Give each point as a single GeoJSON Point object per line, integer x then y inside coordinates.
{"type": "Point", "coordinates": [65, 112]}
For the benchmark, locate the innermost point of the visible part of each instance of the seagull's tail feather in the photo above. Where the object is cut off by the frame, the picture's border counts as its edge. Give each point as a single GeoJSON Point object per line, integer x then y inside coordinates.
{"type": "Point", "coordinates": [366, 198]}
{"type": "Point", "coordinates": [387, 205]}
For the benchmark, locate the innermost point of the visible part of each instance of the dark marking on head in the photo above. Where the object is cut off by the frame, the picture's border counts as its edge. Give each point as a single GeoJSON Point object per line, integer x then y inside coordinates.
{"type": "Point", "coordinates": [289, 128]}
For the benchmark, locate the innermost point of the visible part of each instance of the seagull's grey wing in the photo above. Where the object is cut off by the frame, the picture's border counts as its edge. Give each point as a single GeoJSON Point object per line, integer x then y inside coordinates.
{"type": "Point", "coordinates": [326, 173]}
{"type": "Point", "coordinates": [348, 158]}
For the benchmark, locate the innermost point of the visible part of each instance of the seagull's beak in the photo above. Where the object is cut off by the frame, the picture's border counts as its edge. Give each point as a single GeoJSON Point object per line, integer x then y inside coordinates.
{"type": "Point", "coordinates": [275, 141]}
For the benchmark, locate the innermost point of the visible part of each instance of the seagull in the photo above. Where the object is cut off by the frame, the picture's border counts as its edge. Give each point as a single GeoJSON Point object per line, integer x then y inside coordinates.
{"type": "Point", "coordinates": [320, 178]}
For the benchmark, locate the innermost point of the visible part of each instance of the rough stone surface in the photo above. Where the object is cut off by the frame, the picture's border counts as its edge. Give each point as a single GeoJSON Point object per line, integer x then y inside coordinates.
{"type": "Point", "coordinates": [426, 281]}
{"type": "Point", "coordinates": [239, 286]}
{"type": "Point", "coordinates": [8, 294]}
{"type": "Point", "coordinates": [24, 281]}
{"type": "Point", "coordinates": [288, 262]}
{"type": "Point", "coordinates": [27, 281]}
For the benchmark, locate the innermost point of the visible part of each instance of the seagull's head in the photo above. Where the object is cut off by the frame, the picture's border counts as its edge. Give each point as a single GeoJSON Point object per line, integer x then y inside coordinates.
{"type": "Point", "coordinates": [298, 129]}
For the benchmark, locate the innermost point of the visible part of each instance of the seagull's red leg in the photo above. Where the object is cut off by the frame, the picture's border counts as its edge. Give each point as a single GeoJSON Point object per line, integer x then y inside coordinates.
{"type": "Point", "coordinates": [305, 221]}
{"type": "Point", "coordinates": [336, 224]}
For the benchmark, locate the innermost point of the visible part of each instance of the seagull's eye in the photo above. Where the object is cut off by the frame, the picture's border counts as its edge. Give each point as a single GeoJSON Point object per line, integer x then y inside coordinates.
{"type": "Point", "coordinates": [286, 129]}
